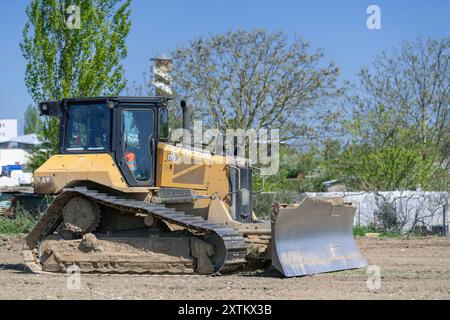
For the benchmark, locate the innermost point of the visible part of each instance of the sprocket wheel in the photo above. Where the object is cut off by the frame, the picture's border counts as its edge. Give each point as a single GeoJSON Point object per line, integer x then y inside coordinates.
{"type": "Point", "coordinates": [81, 215]}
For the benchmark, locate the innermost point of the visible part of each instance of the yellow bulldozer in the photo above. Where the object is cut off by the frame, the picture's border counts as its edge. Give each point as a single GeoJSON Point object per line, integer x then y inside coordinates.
{"type": "Point", "coordinates": [124, 203]}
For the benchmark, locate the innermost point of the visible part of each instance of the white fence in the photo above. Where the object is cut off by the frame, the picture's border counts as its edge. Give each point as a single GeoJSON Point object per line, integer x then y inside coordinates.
{"type": "Point", "coordinates": [409, 208]}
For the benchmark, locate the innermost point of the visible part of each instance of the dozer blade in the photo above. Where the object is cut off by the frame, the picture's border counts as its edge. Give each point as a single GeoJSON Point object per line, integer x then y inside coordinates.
{"type": "Point", "coordinates": [314, 236]}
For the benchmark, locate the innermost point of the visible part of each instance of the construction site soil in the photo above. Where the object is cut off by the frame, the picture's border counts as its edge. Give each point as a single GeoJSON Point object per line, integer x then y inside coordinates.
{"type": "Point", "coordinates": [410, 268]}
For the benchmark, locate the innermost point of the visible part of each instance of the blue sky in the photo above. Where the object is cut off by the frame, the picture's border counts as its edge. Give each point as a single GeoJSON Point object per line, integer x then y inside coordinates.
{"type": "Point", "coordinates": [339, 27]}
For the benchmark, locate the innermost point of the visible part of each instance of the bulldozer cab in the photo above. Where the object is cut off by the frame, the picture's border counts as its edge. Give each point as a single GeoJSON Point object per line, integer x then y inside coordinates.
{"type": "Point", "coordinates": [127, 128]}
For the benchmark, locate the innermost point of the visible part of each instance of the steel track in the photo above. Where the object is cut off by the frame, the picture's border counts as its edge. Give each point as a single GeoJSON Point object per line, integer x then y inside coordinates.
{"type": "Point", "coordinates": [232, 241]}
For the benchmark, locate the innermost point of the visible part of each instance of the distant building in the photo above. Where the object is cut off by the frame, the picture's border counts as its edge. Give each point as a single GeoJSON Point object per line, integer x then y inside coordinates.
{"type": "Point", "coordinates": [14, 150]}
{"type": "Point", "coordinates": [8, 128]}
{"type": "Point", "coordinates": [13, 157]}
{"type": "Point", "coordinates": [25, 142]}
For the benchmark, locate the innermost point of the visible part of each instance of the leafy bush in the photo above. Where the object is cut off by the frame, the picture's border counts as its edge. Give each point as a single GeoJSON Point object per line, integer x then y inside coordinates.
{"type": "Point", "coordinates": [21, 223]}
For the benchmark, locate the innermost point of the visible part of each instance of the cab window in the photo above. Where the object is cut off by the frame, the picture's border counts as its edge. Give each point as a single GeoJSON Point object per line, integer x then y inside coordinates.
{"type": "Point", "coordinates": [88, 128]}
{"type": "Point", "coordinates": [138, 130]}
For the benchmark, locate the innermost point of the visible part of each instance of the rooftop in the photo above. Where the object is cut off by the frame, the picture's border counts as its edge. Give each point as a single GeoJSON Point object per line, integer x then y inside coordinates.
{"type": "Point", "coordinates": [30, 139]}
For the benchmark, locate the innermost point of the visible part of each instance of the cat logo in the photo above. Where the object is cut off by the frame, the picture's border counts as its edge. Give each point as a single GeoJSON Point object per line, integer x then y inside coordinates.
{"type": "Point", "coordinates": [42, 179]}
{"type": "Point", "coordinates": [172, 157]}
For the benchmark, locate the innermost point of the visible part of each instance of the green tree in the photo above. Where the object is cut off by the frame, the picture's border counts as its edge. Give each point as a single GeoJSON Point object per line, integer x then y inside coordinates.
{"type": "Point", "coordinates": [400, 120]}
{"type": "Point", "coordinates": [32, 121]}
{"type": "Point", "coordinates": [393, 167]}
{"type": "Point", "coordinates": [69, 62]}
{"type": "Point", "coordinates": [300, 171]}
{"type": "Point", "coordinates": [256, 79]}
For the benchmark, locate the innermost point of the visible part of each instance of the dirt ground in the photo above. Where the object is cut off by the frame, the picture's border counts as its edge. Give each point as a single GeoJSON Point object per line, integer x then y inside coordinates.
{"type": "Point", "coordinates": [410, 269]}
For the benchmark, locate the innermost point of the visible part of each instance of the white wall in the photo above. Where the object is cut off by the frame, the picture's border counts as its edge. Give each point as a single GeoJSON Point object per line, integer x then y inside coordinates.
{"type": "Point", "coordinates": [8, 128]}
{"type": "Point", "coordinates": [425, 207]}
{"type": "Point", "coordinates": [11, 156]}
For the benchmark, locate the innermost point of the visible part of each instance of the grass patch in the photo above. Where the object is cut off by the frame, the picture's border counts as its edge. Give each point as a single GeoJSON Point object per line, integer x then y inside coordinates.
{"type": "Point", "coordinates": [360, 231]}
{"type": "Point", "coordinates": [21, 223]}
{"type": "Point", "coordinates": [391, 234]}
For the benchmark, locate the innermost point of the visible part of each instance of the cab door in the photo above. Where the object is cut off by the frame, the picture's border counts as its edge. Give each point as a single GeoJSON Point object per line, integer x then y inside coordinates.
{"type": "Point", "coordinates": [136, 149]}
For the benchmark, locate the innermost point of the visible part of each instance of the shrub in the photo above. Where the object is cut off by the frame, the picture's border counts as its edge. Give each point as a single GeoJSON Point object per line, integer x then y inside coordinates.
{"type": "Point", "coordinates": [23, 222]}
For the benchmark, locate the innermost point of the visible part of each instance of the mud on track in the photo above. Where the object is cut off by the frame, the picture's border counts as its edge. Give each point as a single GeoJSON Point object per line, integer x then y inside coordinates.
{"type": "Point", "coordinates": [417, 268]}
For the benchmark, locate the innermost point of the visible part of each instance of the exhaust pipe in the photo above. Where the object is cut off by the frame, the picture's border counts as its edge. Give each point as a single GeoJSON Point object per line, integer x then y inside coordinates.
{"type": "Point", "coordinates": [185, 109]}
{"type": "Point", "coordinates": [186, 124]}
